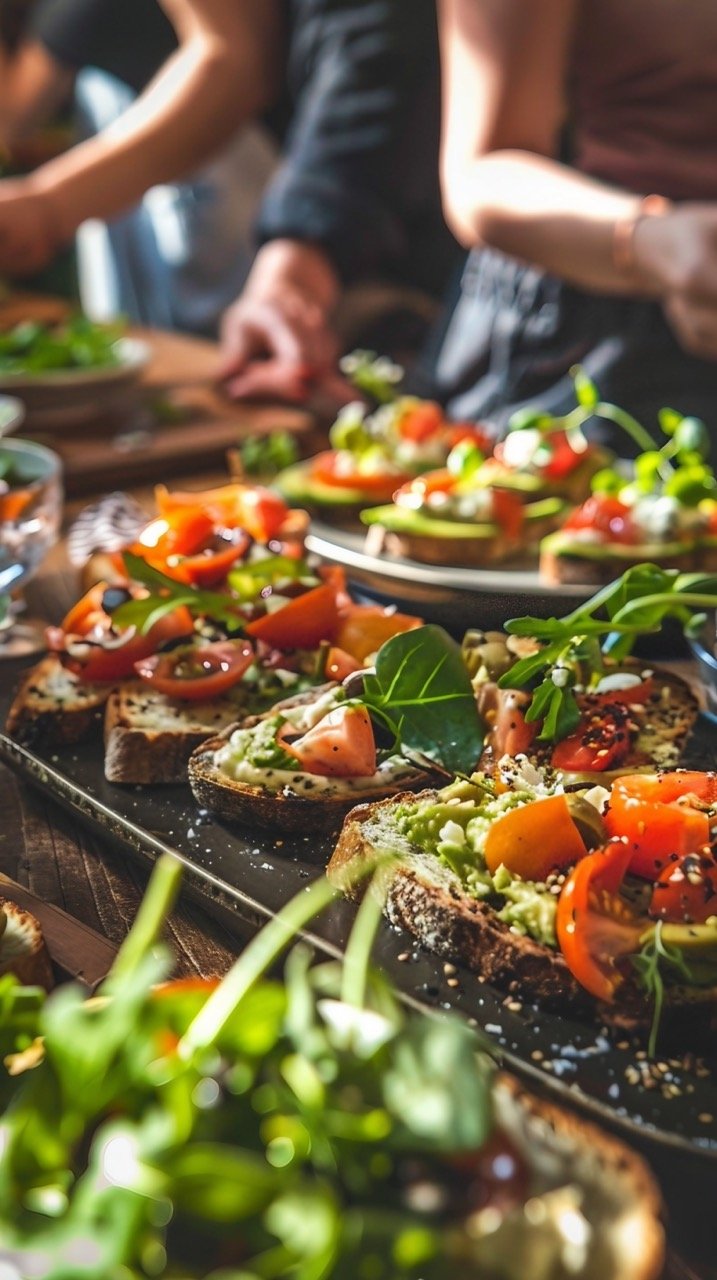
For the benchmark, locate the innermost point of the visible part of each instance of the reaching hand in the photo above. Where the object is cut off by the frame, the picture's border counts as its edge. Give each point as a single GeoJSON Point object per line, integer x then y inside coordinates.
{"type": "Point", "coordinates": [277, 341]}
{"type": "Point", "coordinates": [678, 254]}
{"type": "Point", "coordinates": [28, 236]}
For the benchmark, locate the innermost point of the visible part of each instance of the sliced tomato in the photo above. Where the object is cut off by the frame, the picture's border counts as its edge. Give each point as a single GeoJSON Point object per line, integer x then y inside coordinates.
{"type": "Point", "coordinates": [686, 889]}
{"type": "Point", "coordinates": [608, 516]}
{"type": "Point", "coordinates": [341, 745]}
{"type": "Point", "coordinates": [87, 612]}
{"type": "Point", "coordinates": [534, 839]}
{"type": "Point", "coordinates": [179, 533]}
{"type": "Point", "coordinates": [661, 814]}
{"type": "Point", "coordinates": [479, 435]}
{"type": "Point", "coordinates": [563, 458]}
{"type": "Point", "coordinates": [365, 627]}
{"type": "Point", "coordinates": [302, 623]}
{"type": "Point", "coordinates": [335, 576]}
{"type": "Point", "coordinates": [508, 511]}
{"type": "Point", "coordinates": [421, 421]}
{"type": "Point", "coordinates": [340, 664]}
{"type": "Point", "coordinates": [329, 468]}
{"type": "Point", "coordinates": [210, 567]}
{"type": "Point", "coordinates": [596, 929]}
{"type": "Point", "coordinates": [510, 734]}
{"type": "Point", "coordinates": [421, 487]}
{"type": "Point", "coordinates": [259, 511]}
{"type": "Point", "coordinates": [600, 742]}
{"type": "Point", "coordinates": [104, 664]}
{"type": "Point", "coordinates": [636, 694]}
{"type": "Point", "coordinates": [197, 674]}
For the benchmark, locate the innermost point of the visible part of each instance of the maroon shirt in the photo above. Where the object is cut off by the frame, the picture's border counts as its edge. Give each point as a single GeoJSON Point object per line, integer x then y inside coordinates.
{"type": "Point", "coordinates": [643, 95]}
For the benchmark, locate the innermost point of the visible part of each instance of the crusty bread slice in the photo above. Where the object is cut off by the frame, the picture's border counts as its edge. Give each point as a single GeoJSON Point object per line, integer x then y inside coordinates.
{"type": "Point", "coordinates": [150, 737]}
{"type": "Point", "coordinates": [279, 808]}
{"type": "Point", "coordinates": [478, 551]}
{"type": "Point", "coordinates": [620, 1198]}
{"type": "Point", "coordinates": [22, 947]}
{"type": "Point", "coordinates": [566, 563]}
{"type": "Point", "coordinates": [53, 707]}
{"type": "Point", "coordinates": [426, 899]}
{"type": "Point", "coordinates": [661, 727]}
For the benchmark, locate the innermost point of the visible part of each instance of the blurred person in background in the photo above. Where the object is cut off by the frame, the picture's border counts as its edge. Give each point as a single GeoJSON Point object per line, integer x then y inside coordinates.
{"type": "Point", "coordinates": [181, 256]}
{"type": "Point", "coordinates": [610, 260]}
{"type": "Point", "coordinates": [351, 88]}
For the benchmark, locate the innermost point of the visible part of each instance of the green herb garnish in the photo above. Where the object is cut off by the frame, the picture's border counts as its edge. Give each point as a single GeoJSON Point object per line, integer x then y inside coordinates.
{"type": "Point", "coordinates": [166, 594]}
{"type": "Point", "coordinates": [422, 691]}
{"type": "Point", "coordinates": [78, 343]}
{"type": "Point", "coordinates": [606, 627]}
{"type": "Point", "coordinates": [657, 960]}
{"type": "Point", "coordinates": [265, 456]}
{"type": "Point", "coordinates": [374, 376]}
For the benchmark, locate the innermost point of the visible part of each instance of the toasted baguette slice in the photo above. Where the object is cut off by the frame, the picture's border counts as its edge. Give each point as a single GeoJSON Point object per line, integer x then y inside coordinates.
{"type": "Point", "coordinates": [22, 947]}
{"type": "Point", "coordinates": [313, 804]}
{"type": "Point", "coordinates": [426, 899]}
{"type": "Point", "coordinates": [150, 737]}
{"type": "Point", "coordinates": [53, 707]}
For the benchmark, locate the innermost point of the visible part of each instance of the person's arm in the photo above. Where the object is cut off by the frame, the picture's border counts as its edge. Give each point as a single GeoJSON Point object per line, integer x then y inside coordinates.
{"type": "Point", "coordinates": [33, 85]}
{"type": "Point", "coordinates": [335, 212]}
{"type": "Point", "coordinates": [222, 74]}
{"type": "Point", "coordinates": [505, 72]}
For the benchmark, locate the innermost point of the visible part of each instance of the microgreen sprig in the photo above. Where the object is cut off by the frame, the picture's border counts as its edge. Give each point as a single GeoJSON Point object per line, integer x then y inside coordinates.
{"type": "Point", "coordinates": [652, 962]}
{"type": "Point", "coordinates": [607, 626]}
{"type": "Point", "coordinates": [166, 594]}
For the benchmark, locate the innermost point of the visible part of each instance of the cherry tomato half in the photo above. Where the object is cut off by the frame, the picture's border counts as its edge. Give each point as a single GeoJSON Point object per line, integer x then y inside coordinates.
{"type": "Point", "coordinates": [686, 889]}
{"type": "Point", "coordinates": [600, 742]}
{"type": "Point", "coordinates": [197, 674]}
{"type": "Point", "coordinates": [661, 814]}
{"type": "Point", "coordinates": [607, 515]}
{"type": "Point", "coordinates": [107, 662]}
{"type": "Point", "coordinates": [381, 485]}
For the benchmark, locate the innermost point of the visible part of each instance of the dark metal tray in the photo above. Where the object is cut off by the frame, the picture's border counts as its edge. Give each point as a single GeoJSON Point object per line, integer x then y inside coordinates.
{"type": "Point", "coordinates": [249, 875]}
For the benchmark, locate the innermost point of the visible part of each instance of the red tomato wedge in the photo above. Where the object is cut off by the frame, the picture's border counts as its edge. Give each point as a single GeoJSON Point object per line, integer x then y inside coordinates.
{"type": "Point", "coordinates": [178, 533]}
{"type": "Point", "coordinates": [421, 421]}
{"type": "Point", "coordinates": [600, 742]}
{"type": "Point", "coordinates": [607, 515]}
{"type": "Point", "coordinates": [564, 458]}
{"type": "Point", "coordinates": [87, 612]}
{"type": "Point", "coordinates": [259, 511]}
{"type": "Point", "coordinates": [329, 468]}
{"type": "Point", "coordinates": [108, 662]}
{"type": "Point", "coordinates": [661, 814]}
{"type": "Point", "coordinates": [636, 694]}
{"type": "Point", "coordinates": [302, 623]}
{"type": "Point", "coordinates": [686, 889]}
{"type": "Point", "coordinates": [508, 512]}
{"type": "Point", "coordinates": [365, 627]}
{"type": "Point", "coordinates": [595, 928]}
{"type": "Point", "coordinates": [340, 664]}
{"type": "Point", "coordinates": [197, 674]}
{"type": "Point", "coordinates": [341, 745]}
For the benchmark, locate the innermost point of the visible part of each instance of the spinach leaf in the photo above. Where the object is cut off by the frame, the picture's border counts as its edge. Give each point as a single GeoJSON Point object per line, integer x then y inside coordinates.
{"type": "Point", "coordinates": [421, 686]}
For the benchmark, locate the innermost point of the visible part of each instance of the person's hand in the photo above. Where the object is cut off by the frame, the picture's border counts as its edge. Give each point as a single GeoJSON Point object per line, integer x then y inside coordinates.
{"type": "Point", "coordinates": [677, 255]}
{"type": "Point", "coordinates": [28, 234]}
{"type": "Point", "coordinates": [277, 340]}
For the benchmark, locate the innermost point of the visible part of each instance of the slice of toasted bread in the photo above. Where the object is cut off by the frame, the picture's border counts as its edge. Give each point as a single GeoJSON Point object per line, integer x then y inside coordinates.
{"type": "Point", "coordinates": [563, 1150]}
{"type": "Point", "coordinates": [22, 947]}
{"type": "Point", "coordinates": [660, 729]}
{"type": "Point", "coordinates": [428, 900]}
{"type": "Point", "coordinates": [313, 804]}
{"type": "Point", "coordinates": [150, 737]}
{"type": "Point", "coordinates": [565, 562]}
{"type": "Point", "coordinates": [53, 707]}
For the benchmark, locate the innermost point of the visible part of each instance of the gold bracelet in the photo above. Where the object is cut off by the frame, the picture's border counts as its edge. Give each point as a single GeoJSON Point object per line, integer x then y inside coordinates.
{"type": "Point", "coordinates": [623, 239]}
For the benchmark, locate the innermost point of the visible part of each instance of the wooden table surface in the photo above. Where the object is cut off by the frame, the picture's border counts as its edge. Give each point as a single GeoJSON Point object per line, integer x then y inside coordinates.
{"type": "Point", "coordinates": [44, 849]}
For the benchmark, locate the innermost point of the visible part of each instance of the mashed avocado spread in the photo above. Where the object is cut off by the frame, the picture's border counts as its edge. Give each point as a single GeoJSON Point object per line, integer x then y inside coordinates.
{"type": "Point", "coordinates": [454, 825]}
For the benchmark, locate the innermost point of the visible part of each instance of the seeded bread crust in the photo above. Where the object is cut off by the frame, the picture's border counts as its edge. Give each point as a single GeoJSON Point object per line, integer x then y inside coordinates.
{"type": "Point", "coordinates": [150, 737]}
{"type": "Point", "coordinates": [427, 900]}
{"type": "Point", "coordinates": [53, 707]}
{"type": "Point", "coordinates": [30, 964]}
{"type": "Point", "coordinates": [468, 552]}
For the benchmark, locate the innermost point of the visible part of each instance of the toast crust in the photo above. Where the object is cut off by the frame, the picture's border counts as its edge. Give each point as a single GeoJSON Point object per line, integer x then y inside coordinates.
{"type": "Point", "coordinates": [428, 901]}
{"type": "Point", "coordinates": [30, 963]}
{"type": "Point", "coordinates": [138, 753]}
{"type": "Point", "coordinates": [40, 716]}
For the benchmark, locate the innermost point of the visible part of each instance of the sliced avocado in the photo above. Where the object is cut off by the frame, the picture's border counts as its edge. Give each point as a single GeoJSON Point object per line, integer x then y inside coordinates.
{"type": "Point", "coordinates": [297, 485]}
{"type": "Point", "coordinates": [544, 508]}
{"type": "Point", "coordinates": [700, 939]}
{"type": "Point", "coordinates": [404, 520]}
{"type": "Point", "coordinates": [561, 544]}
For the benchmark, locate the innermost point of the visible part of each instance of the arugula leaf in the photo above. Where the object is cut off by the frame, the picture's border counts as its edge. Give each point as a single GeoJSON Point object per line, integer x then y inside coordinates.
{"type": "Point", "coordinates": [422, 686]}
{"type": "Point", "coordinates": [168, 594]}
{"type": "Point", "coordinates": [248, 580]}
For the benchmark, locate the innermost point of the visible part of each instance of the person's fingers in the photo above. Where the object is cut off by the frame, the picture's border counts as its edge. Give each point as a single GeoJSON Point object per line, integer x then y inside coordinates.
{"type": "Point", "coordinates": [272, 379]}
{"type": "Point", "coordinates": [695, 325]}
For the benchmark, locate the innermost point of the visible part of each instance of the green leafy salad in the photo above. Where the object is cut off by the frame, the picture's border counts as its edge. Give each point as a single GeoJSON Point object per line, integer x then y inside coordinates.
{"type": "Point", "coordinates": [78, 343]}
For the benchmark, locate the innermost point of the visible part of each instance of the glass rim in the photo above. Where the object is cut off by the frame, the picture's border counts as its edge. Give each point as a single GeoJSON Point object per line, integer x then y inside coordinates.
{"type": "Point", "coordinates": [16, 444]}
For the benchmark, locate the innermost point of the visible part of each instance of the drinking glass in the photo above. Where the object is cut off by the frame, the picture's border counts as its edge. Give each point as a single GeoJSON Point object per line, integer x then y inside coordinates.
{"type": "Point", "coordinates": [30, 514]}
